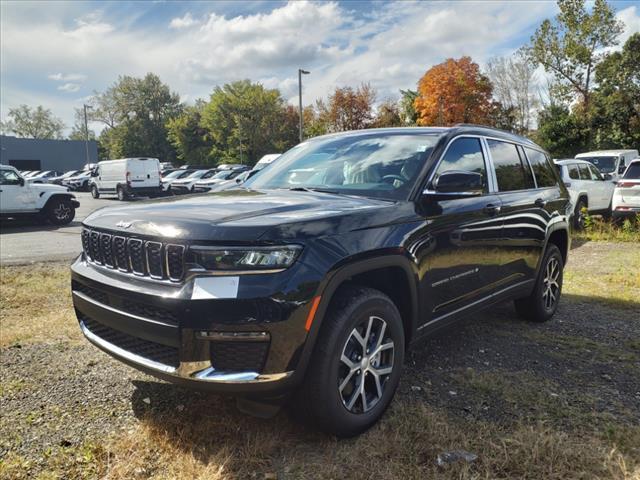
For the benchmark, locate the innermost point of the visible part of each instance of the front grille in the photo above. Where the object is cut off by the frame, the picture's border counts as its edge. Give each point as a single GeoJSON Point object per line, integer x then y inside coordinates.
{"type": "Point", "coordinates": [149, 311]}
{"type": "Point", "coordinates": [134, 255]}
{"type": "Point", "coordinates": [238, 356]}
{"type": "Point", "coordinates": [143, 348]}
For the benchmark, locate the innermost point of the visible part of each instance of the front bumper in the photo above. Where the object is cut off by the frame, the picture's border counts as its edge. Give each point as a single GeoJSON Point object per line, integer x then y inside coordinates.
{"type": "Point", "coordinates": [237, 346]}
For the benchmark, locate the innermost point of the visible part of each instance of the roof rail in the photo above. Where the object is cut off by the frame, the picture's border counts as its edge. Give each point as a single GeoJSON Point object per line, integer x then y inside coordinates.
{"type": "Point", "coordinates": [481, 126]}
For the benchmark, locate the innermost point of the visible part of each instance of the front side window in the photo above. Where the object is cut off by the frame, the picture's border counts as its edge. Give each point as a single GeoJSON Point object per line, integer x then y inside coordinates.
{"type": "Point", "coordinates": [371, 165]}
{"type": "Point", "coordinates": [9, 177]}
{"type": "Point", "coordinates": [595, 175]}
{"type": "Point", "coordinates": [541, 168]}
{"type": "Point", "coordinates": [584, 172]}
{"type": "Point", "coordinates": [573, 171]}
{"type": "Point", "coordinates": [511, 173]}
{"type": "Point", "coordinates": [464, 154]}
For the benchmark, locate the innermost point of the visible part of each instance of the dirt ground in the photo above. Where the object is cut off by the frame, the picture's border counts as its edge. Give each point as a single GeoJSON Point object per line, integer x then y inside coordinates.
{"type": "Point", "coordinates": [553, 400]}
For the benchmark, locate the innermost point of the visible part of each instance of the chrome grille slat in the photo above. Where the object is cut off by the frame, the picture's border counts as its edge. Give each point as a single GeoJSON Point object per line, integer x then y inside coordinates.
{"type": "Point", "coordinates": [132, 255]}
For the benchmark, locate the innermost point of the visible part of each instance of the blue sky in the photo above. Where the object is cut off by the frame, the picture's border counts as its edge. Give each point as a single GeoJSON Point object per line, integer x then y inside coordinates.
{"type": "Point", "coordinates": [56, 54]}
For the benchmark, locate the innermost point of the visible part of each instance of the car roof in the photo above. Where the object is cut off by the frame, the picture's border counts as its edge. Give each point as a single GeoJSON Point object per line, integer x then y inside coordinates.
{"type": "Point", "coordinates": [599, 153]}
{"type": "Point", "coordinates": [459, 129]}
{"type": "Point", "coordinates": [572, 161]}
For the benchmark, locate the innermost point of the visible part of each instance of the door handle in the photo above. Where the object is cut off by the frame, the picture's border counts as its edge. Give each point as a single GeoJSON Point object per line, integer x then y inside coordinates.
{"type": "Point", "coordinates": [540, 202]}
{"type": "Point", "coordinates": [492, 209]}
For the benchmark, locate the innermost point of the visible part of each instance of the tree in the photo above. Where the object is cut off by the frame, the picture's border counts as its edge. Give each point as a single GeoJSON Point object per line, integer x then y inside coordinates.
{"type": "Point", "coordinates": [561, 131]}
{"type": "Point", "coordinates": [245, 121]}
{"type": "Point", "coordinates": [452, 92]}
{"type": "Point", "coordinates": [136, 111]}
{"type": "Point", "coordinates": [38, 122]}
{"type": "Point", "coordinates": [387, 115]}
{"type": "Point", "coordinates": [571, 46]}
{"type": "Point", "coordinates": [616, 99]}
{"type": "Point", "coordinates": [407, 106]}
{"type": "Point", "coordinates": [78, 131]}
{"type": "Point", "coordinates": [512, 79]}
{"type": "Point", "coordinates": [188, 137]}
{"type": "Point", "coordinates": [348, 108]}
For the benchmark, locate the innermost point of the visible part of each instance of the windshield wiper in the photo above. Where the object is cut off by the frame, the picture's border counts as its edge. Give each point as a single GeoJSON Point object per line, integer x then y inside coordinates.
{"type": "Point", "coordinates": [308, 189]}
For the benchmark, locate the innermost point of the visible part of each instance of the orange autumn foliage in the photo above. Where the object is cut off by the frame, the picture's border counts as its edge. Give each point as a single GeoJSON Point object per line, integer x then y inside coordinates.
{"type": "Point", "coordinates": [453, 92]}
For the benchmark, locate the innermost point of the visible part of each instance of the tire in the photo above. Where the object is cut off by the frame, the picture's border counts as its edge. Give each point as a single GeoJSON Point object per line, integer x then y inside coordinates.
{"type": "Point", "coordinates": [578, 216]}
{"type": "Point", "coordinates": [542, 304]}
{"type": "Point", "coordinates": [94, 192]}
{"type": "Point", "coordinates": [60, 211]}
{"type": "Point", "coordinates": [330, 397]}
{"type": "Point", "coordinates": [122, 195]}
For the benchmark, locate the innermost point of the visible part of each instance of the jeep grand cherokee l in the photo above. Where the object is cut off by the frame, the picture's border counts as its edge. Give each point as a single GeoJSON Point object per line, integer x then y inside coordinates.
{"type": "Point", "coordinates": [309, 282]}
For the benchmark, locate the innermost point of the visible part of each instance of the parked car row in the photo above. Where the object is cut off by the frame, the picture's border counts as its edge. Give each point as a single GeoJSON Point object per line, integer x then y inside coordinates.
{"type": "Point", "coordinates": [594, 179]}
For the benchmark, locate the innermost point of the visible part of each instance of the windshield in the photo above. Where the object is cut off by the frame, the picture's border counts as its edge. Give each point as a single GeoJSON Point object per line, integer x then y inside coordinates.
{"type": "Point", "coordinates": [604, 164]}
{"type": "Point", "coordinates": [213, 174]}
{"type": "Point", "coordinates": [633, 171]}
{"type": "Point", "coordinates": [175, 174]}
{"type": "Point", "coordinates": [196, 174]}
{"type": "Point", "coordinates": [383, 165]}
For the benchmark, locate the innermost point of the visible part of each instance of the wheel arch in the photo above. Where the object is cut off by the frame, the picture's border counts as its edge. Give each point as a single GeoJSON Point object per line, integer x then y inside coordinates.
{"type": "Point", "coordinates": [56, 196]}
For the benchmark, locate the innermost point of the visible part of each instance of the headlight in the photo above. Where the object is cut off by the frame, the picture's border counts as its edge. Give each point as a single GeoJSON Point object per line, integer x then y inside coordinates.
{"type": "Point", "coordinates": [245, 258]}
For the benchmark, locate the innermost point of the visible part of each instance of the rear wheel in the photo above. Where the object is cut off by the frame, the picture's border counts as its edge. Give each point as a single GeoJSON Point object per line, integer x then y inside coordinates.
{"type": "Point", "coordinates": [122, 194]}
{"type": "Point", "coordinates": [60, 211]}
{"type": "Point", "coordinates": [543, 301]}
{"type": "Point", "coordinates": [356, 365]}
{"type": "Point", "coordinates": [94, 192]}
{"type": "Point", "coordinates": [578, 214]}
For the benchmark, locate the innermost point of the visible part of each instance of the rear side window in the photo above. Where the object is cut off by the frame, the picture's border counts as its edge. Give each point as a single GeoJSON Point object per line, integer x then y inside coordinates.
{"type": "Point", "coordinates": [573, 172]}
{"type": "Point", "coordinates": [464, 154]}
{"type": "Point", "coordinates": [633, 171]}
{"type": "Point", "coordinates": [541, 168]}
{"type": "Point", "coordinates": [510, 171]}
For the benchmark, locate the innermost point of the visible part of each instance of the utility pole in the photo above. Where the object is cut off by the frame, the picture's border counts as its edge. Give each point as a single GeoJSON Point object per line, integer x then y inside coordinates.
{"type": "Point", "coordinates": [300, 73]}
{"type": "Point", "coordinates": [86, 132]}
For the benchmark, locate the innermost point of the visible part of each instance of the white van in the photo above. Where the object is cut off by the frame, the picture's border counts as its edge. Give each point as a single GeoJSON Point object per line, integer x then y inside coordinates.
{"type": "Point", "coordinates": [126, 177]}
{"type": "Point", "coordinates": [611, 163]}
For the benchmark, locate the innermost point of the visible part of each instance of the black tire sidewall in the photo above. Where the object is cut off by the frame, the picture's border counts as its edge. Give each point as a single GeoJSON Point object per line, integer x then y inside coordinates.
{"type": "Point", "coordinates": [339, 420]}
{"type": "Point", "coordinates": [94, 192]}
{"type": "Point", "coordinates": [577, 224]}
{"type": "Point", "coordinates": [52, 217]}
{"type": "Point", "coordinates": [552, 251]}
{"type": "Point", "coordinates": [121, 193]}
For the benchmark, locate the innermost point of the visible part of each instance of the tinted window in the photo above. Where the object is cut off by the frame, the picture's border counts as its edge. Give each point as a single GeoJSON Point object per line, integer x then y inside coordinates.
{"type": "Point", "coordinates": [633, 171]}
{"type": "Point", "coordinates": [573, 171]}
{"type": "Point", "coordinates": [510, 172]}
{"type": "Point", "coordinates": [464, 154]}
{"type": "Point", "coordinates": [541, 168]}
{"type": "Point", "coordinates": [584, 172]}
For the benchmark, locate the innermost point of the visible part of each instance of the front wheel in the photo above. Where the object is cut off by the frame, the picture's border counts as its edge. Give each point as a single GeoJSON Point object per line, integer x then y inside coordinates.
{"type": "Point", "coordinates": [543, 301]}
{"type": "Point", "coordinates": [356, 365]}
{"type": "Point", "coordinates": [60, 212]}
{"type": "Point", "coordinates": [122, 195]}
{"type": "Point", "coordinates": [578, 215]}
{"type": "Point", "coordinates": [94, 192]}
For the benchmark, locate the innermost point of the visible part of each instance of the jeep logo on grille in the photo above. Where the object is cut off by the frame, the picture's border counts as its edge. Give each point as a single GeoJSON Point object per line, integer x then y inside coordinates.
{"type": "Point", "coordinates": [123, 224]}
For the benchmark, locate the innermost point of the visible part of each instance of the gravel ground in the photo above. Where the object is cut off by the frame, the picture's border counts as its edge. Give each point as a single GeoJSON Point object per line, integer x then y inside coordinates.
{"type": "Point", "coordinates": [581, 368]}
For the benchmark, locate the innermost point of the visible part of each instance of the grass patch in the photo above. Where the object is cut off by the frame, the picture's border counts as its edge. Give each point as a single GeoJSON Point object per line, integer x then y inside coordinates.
{"type": "Point", "coordinates": [35, 302]}
{"type": "Point", "coordinates": [600, 230]}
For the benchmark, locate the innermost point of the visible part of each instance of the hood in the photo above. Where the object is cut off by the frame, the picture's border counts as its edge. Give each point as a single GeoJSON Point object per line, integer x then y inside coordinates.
{"type": "Point", "coordinates": [241, 215]}
{"type": "Point", "coordinates": [47, 187]}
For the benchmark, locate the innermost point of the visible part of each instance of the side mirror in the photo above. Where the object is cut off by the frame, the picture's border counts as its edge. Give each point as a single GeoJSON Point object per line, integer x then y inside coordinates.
{"type": "Point", "coordinates": [607, 176]}
{"type": "Point", "coordinates": [458, 183]}
{"type": "Point", "coordinates": [621, 169]}
{"type": "Point", "coordinates": [21, 181]}
{"type": "Point", "coordinates": [94, 173]}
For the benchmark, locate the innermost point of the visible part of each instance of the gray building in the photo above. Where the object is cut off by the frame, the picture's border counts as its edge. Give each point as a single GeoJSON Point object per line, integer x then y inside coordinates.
{"type": "Point", "coordinates": [36, 154]}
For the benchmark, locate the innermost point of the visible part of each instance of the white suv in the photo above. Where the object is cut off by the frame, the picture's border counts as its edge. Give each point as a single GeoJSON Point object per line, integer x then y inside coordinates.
{"type": "Point", "coordinates": [626, 196]}
{"type": "Point", "coordinates": [19, 197]}
{"type": "Point", "coordinates": [588, 188]}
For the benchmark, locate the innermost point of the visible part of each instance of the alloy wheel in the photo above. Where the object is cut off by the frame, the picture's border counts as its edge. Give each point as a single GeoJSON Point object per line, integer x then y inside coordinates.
{"type": "Point", "coordinates": [366, 362]}
{"type": "Point", "coordinates": [551, 287]}
{"type": "Point", "coordinates": [62, 211]}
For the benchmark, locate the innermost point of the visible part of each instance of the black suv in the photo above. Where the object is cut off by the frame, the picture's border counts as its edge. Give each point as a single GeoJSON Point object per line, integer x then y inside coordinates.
{"type": "Point", "coordinates": [310, 281]}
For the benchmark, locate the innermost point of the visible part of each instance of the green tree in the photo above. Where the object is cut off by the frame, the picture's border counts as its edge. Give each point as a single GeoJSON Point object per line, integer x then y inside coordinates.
{"type": "Point", "coordinates": [245, 121]}
{"type": "Point", "coordinates": [561, 132]}
{"type": "Point", "coordinates": [188, 137]}
{"type": "Point", "coordinates": [571, 46]}
{"type": "Point", "coordinates": [135, 112]}
{"type": "Point", "coordinates": [407, 107]}
{"type": "Point", "coordinates": [616, 99]}
{"type": "Point", "coordinates": [38, 122]}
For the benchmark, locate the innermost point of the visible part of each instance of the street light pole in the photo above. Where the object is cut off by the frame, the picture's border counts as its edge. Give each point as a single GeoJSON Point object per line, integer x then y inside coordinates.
{"type": "Point", "coordinates": [300, 73]}
{"type": "Point", "coordinates": [86, 132]}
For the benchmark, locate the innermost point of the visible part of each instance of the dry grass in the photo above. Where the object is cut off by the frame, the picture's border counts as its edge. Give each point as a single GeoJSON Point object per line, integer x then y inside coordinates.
{"type": "Point", "coordinates": [35, 304]}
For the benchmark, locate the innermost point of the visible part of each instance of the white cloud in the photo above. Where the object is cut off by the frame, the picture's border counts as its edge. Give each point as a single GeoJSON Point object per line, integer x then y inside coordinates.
{"type": "Point", "coordinates": [69, 87]}
{"type": "Point", "coordinates": [68, 77]}
{"type": "Point", "coordinates": [183, 22]}
{"type": "Point", "coordinates": [631, 19]}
